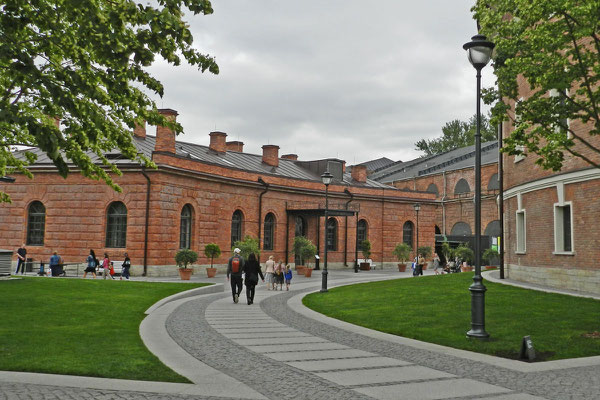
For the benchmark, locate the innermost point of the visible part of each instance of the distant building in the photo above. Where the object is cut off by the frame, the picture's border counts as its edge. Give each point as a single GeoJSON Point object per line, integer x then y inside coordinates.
{"type": "Point", "coordinates": [204, 194]}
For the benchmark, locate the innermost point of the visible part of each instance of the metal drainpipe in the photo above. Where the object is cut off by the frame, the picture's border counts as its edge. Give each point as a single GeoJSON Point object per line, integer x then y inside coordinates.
{"type": "Point", "coordinates": [501, 187]}
{"type": "Point", "coordinates": [147, 223]}
{"type": "Point", "coordinates": [444, 205]}
{"type": "Point", "coordinates": [266, 185]}
{"type": "Point", "coordinates": [346, 234]}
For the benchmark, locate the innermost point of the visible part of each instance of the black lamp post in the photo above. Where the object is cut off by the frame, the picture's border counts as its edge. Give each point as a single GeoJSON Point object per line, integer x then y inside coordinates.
{"type": "Point", "coordinates": [326, 178]}
{"type": "Point", "coordinates": [479, 51]}
{"type": "Point", "coordinates": [417, 208]}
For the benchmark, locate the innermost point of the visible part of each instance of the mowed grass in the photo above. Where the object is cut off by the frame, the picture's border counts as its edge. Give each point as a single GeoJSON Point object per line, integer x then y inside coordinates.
{"type": "Point", "coordinates": [81, 327]}
{"type": "Point", "coordinates": [437, 309]}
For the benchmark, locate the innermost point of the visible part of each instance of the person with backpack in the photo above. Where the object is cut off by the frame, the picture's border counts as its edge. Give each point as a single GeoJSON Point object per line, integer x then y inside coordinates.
{"type": "Point", "coordinates": [235, 268]}
{"type": "Point", "coordinates": [91, 264]}
{"type": "Point", "coordinates": [252, 270]}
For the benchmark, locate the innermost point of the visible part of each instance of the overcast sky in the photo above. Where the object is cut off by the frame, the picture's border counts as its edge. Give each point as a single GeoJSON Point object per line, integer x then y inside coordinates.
{"type": "Point", "coordinates": [349, 79]}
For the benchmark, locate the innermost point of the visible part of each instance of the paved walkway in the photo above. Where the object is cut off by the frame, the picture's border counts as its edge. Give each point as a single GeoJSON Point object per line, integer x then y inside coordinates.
{"type": "Point", "coordinates": [277, 349]}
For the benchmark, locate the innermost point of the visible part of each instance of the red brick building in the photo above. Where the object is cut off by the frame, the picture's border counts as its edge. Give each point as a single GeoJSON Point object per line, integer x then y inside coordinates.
{"type": "Point", "coordinates": [450, 177]}
{"type": "Point", "coordinates": [552, 237]}
{"type": "Point", "coordinates": [203, 194]}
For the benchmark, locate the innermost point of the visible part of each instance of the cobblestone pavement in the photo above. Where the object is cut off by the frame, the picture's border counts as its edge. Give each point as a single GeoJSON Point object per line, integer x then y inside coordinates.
{"type": "Point", "coordinates": [285, 355]}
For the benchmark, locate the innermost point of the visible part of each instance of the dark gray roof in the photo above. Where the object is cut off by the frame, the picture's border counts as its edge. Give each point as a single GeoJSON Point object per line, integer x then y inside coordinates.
{"type": "Point", "coordinates": [448, 161]}
{"type": "Point", "coordinates": [229, 159]}
{"type": "Point", "coordinates": [375, 165]}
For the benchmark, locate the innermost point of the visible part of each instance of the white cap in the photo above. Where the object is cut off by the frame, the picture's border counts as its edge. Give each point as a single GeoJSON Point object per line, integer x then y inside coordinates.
{"type": "Point", "coordinates": [236, 250]}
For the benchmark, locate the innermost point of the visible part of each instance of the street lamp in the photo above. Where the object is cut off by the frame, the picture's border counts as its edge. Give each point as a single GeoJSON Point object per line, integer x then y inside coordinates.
{"type": "Point", "coordinates": [326, 178]}
{"type": "Point", "coordinates": [479, 51]}
{"type": "Point", "coordinates": [417, 208]}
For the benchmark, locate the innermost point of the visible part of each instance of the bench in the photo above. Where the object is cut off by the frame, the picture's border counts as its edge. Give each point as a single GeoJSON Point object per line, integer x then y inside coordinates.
{"type": "Point", "coordinates": [369, 261]}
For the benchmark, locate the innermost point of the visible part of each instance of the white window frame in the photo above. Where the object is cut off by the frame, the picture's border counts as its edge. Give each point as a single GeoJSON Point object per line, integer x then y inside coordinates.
{"type": "Point", "coordinates": [521, 231]}
{"type": "Point", "coordinates": [559, 229]}
{"type": "Point", "coordinates": [557, 129]}
{"type": "Point", "coordinates": [519, 157]}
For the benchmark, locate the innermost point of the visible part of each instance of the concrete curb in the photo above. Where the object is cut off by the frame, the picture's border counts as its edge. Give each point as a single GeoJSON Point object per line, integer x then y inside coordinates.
{"type": "Point", "coordinates": [295, 303]}
{"type": "Point", "coordinates": [208, 380]}
{"type": "Point", "coordinates": [214, 288]}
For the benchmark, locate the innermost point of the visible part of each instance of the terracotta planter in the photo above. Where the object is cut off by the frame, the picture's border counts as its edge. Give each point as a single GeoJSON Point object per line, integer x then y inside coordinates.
{"type": "Point", "coordinates": [365, 266]}
{"type": "Point", "coordinates": [466, 269]}
{"type": "Point", "coordinates": [211, 272]}
{"type": "Point", "coordinates": [488, 267]}
{"type": "Point", "coordinates": [185, 273]}
{"type": "Point", "coordinates": [401, 267]}
{"type": "Point", "coordinates": [308, 272]}
{"type": "Point", "coordinates": [300, 269]}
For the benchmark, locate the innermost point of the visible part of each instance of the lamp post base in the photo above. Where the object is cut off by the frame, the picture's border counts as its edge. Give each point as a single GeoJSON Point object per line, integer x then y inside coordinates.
{"type": "Point", "coordinates": [477, 309]}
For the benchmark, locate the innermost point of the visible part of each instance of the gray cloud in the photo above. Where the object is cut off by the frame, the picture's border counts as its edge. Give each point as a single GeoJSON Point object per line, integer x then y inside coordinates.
{"type": "Point", "coordinates": [327, 78]}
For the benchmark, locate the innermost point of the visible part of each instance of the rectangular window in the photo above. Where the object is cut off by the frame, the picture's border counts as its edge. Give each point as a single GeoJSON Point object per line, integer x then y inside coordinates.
{"type": "Point", "coordinates": [563, 238]}
{"type": "Point", "coordinates": [521, 233]}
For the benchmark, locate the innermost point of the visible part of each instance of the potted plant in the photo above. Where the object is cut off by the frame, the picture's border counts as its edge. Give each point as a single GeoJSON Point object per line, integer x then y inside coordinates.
{"type": "Point", "coordinates": [247, 246]}
{"type": "Point", "coordinates": [308, 252]}
{"type": "Point", "coordinates": [183, 258]}
{"type": "Point", "coordinates": [464, 253]}
{"type": "Point", "coordinates": [402, 252]}
{"type": "Point", "coordinates": [365, 249]}
{"type": "Point", "coordinates": [447, 251]}
{"type": "Point", "coordinates": [491, 257]}
{"type": "Point", "coordinates": [211, 251]}
{"type": "Point", "coordinates": [425, 252]}
{"type": "Point", "coordinates": [299, 243]}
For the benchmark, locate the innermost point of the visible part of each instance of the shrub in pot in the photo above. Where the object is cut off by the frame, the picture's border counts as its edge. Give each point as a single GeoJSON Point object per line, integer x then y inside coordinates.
{"type": "Point", "coordinates": [247, 246]}
{"type": "Point", "coordinates": [402, 252]}
{"type": "Point", "coordinates": [365, 249]}
{"type": "Point", "coordinates": [491, 257]}
{"type": "Point", "coordinates": [306, 250]}
{"type": "Point", "coordinates": [184, 258]}
{"type": "Point", "coordinates": [211, 251]}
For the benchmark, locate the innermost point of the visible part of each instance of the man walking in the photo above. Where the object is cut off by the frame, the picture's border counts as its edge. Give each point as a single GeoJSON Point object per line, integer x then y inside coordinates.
{"type": "Point", "coordinates": [21, 258]}
{"type": "Point", "coordinates": [235, 267]}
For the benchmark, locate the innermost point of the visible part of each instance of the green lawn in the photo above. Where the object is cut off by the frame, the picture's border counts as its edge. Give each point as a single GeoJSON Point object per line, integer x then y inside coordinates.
{"type": "Point", "coordinates": [437, 309]}
{"type": "Point", "coordinates": [81, 327]}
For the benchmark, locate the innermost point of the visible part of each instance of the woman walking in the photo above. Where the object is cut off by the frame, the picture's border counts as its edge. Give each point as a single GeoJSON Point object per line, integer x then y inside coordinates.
{"type": "Point", "coordinates": [126, 265]}
{"type": "Point", "coordinates": [252, 269]}
{"type": "Point", "coordinates": [91, 264]}
{"type": "Point", "coordinates": [279, 269]}
{"type": "Point", "coordinates": [270, 270]}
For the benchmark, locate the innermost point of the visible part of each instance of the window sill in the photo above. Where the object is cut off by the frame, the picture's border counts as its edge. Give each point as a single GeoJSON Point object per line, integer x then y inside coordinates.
{"type": "Point", "coordinates": [520, 252]}
{"type": "Point", "coordinates": [563, 253]}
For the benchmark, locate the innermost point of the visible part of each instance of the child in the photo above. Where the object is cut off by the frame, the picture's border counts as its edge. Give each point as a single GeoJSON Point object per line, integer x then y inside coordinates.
{"type": "Point", "coordinates": [112, 270]}
{"type": "Point", "coordinates": [288, 277]}
{"type": "Point", "coordinates": [278, 276]}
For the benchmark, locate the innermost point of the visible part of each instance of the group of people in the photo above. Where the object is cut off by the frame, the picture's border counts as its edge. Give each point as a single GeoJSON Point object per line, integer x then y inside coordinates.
{"type": "Point", "coordinates": [240, 271]}
{"type": "Point", "coordinates": [108, 267]}
{"type": "Point", "coordinates": [420, 262]}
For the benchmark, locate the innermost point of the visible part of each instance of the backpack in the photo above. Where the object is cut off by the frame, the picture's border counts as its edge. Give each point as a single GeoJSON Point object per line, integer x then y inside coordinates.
{"type": "Point", "coordinates": [235, 265]}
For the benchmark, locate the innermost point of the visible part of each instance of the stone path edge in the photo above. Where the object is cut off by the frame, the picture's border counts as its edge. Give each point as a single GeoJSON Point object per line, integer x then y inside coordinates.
{"type": "Point", "coordinates": [212, 382]}
{"type": "Point", "coordinates": [212, 288]}
{"type": "Point", "coordinates": [295, 303]}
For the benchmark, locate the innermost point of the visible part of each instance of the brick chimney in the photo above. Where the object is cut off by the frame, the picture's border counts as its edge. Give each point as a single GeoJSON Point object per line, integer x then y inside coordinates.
{"type": "Point", "coordinates": [359, 173]}
{"type": "Point", "coordinates": [293, 157]}
{"type": "Point", "coordinates": [217, 142]}
{"type": "Point", "coordinates": [271, 155]}
{"type": "Point", "coordinates": [165, 137]}
{"type": "Point", "coordinates": [140, 130]}
{"type": "Point", "coordinates": [343, 167]}
{"type": "Point", "coordinates": [235, 146]}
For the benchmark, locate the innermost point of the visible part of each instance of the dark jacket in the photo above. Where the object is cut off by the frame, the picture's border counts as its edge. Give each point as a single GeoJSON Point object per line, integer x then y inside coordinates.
{"type": "Point", "coordinates": [239, 273]}
{"type": "Point", "coordinates": [252, 269]}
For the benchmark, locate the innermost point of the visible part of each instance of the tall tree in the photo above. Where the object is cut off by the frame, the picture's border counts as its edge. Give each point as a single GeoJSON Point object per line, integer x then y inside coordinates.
{"type": "Point", "coordinates": [85, 62]}
{"type": "Point", "coordinates": [457, 134]}
{"type": "Point", "coordinates": [555, 46]}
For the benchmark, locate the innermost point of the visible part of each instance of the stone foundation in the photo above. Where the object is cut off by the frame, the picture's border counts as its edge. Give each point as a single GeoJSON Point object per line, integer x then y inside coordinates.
{"type": "Point", "coordinates": [560, 278]}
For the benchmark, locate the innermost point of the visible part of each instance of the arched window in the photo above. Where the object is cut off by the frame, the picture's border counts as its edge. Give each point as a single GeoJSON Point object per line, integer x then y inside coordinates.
{"type": "Point", "coordinates": [361, 231]}
{"type": "Point", "coordinates": [461, 229]}
{"type": "Point", "coordinates": [36, 221]}
{"type": "Point", "coordinates": [331, 235]}
{"type": "Point", "coordinates": [116, 225]}
{"type": "Point", "coordinates": [185, 232]}
{"type": "Point", "coordinates": [407, 233]}
{"type": "Point", "coordinates": [237, 221]}
{"type": "Point", "coordinates": [494, 184]}
{"type": "Point", "coordinates": [462, 186]}
{"type": "Point", "coordinates": [493, 229]}
{"type": "Point", "coordinates": [269, 232]}
{"type": "Point", "coordinates": [432, 188]}
{"type": "Point", "coordinates": [300, 227]}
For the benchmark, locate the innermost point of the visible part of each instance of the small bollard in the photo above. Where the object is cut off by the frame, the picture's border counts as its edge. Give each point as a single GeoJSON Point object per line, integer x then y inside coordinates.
{"type": "Point", "coordinates": [527, 351]}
